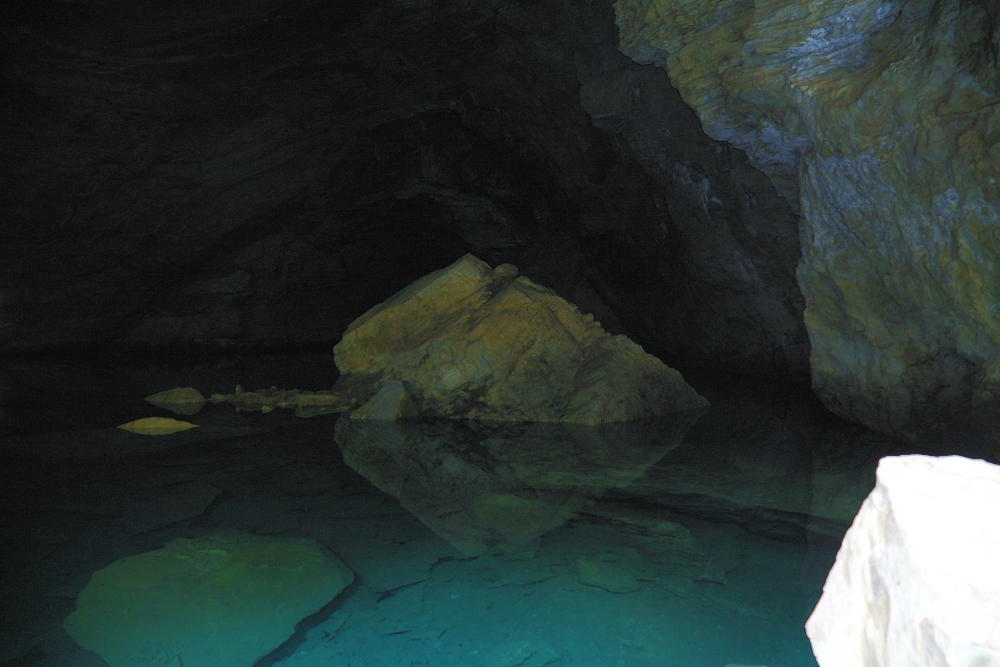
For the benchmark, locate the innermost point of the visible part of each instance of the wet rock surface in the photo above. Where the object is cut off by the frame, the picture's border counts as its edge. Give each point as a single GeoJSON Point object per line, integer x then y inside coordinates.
{"type": "Point", "coordinates": [471, 342]}
{"type": "Point", "coordinates": [225, 598]}
{"type": "Point", "coordinates": [879, 121]}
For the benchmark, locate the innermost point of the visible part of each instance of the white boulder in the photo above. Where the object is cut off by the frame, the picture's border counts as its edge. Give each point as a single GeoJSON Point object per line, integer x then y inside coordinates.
{"type": "Point", "coordinates": [917, 580]}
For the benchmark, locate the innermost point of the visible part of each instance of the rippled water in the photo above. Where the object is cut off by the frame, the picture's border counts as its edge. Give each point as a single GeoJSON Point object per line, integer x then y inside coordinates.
{"type": "Point", "coordinates": [701, 540]}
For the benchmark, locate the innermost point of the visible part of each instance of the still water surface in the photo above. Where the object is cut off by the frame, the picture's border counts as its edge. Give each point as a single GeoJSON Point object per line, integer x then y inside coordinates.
{"type": "Point", "coordinates": [701, 540]}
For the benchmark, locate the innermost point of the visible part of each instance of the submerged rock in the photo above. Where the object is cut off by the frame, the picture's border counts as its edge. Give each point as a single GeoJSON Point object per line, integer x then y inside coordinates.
{"type": "Point", "coordinates": [471, 342]}
{"type": "Point", "coordinates": [223, 600]}
{"type": "Point", "coordinates": [915, 582]}
{"type": "Point", "coordinates": [881, 122]}
{"type": "Point", "coordinates": [606, 574]}
{"type": "Point", "coordinates": [305, 403]}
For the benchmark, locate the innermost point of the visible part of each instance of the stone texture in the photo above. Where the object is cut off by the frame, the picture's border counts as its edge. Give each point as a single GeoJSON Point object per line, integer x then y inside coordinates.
{"type": "Point", "coordinates": [880, 122]}
{"type": "Point", "coordinates": [224, 600]}
{"type": "Point", "coordinates": [915, 583]}
{"type": "Point", "coordinates": [468, 342]}
{"type": "Point", "coordinates": [390, 403]}
{"type": "Point", "coordinates": [606, 575]}
{"type": "Point", "coordinates": [737, 239]}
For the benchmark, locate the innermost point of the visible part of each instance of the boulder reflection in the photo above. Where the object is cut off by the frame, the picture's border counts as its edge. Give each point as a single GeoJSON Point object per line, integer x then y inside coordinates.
{"type": "Point", "coordinates": [495, 487]}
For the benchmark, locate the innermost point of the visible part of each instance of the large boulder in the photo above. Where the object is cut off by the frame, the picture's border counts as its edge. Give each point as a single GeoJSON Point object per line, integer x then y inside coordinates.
{"type": "Point", "coordinates": [470, 342]}
{"type": "Point", "coordinates": [224, 600]}
{"type": "Point", "coordinates": [880, 122]}
{"type": "Point", "coordinates": [916, 582]}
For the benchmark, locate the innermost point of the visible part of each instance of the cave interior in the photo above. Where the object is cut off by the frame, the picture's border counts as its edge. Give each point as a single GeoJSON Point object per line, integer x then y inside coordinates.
{"type": "Point", "coordinates": [207, 194]}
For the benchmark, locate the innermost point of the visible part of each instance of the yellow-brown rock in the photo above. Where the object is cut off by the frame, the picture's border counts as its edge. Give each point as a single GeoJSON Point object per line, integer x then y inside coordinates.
{"type": "Point", "coordinates": [880, 120]}
{"type": "Point", "coordinates": [471, 342]}
{"type": "Point", "coordinates": [221, 600]}
{"type": "Point", "coordinates": [179, 400]}
{"type": "Point", "coordinates": [156, 426]}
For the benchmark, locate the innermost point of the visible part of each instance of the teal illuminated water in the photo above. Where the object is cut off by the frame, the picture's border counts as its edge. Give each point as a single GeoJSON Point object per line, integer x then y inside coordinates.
{"type": "Point", "coordinates": [702, 540]}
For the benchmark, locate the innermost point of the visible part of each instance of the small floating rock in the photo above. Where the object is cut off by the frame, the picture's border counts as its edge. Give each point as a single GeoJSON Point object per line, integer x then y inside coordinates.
{"type": "Point", "coordinates": [179, 400]}
{"type": "Point", "coordinates": [156, 426]}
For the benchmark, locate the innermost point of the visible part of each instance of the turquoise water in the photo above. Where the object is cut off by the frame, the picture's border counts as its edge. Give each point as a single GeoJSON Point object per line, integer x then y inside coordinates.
{"type": "Point", "coordinates": [702, 540]}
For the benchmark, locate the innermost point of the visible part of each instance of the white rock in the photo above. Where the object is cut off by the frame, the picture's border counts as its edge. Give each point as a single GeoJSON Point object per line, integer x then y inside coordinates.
{"type": "Point", "coordinates": [917, 580]}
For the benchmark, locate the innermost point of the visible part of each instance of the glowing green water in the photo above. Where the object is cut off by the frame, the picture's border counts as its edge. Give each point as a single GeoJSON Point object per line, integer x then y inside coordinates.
{"type": "Point", "coordinates": [698, 543]}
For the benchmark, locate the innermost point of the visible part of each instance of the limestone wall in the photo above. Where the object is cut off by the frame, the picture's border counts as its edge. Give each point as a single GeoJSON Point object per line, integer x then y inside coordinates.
{"type": "Point", "coordinates": [880, 121]}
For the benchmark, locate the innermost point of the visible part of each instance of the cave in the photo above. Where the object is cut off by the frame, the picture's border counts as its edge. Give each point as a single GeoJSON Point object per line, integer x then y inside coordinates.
{"type": "Point", "coordinates": [794, 204]}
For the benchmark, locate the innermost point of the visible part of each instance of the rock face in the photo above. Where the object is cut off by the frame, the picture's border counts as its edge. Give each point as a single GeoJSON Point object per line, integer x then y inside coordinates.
{"type": "Point", "coordinates": [224, 600]}
{"type": "Point", "coordinates": [915, 583]}
{"type": "Point", "coordinates": [880, 121]}
{"type": "Point", "coordinates": [470, 342]}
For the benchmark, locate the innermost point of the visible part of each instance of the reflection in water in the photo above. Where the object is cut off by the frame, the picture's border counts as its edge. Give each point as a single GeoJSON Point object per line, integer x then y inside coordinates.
{"type": "Point", "coordinates": [687, 542]}
{"type": "Point", "coordinates": [493, 487]}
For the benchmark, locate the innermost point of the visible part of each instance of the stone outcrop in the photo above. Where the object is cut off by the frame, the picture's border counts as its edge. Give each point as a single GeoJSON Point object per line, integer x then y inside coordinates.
{"type": "Point", "coordinates": [224, 600]}
{"type": "Point", "coordinates": [880, 121]}
{"type": "Point", "coordinates": [915, 582]}
{"type": "Point", "coordinates": [470, 342]}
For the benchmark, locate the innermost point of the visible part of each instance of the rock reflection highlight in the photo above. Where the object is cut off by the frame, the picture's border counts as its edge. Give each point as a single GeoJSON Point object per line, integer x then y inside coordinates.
{"type": "Point", "coordinates": [496, 487]}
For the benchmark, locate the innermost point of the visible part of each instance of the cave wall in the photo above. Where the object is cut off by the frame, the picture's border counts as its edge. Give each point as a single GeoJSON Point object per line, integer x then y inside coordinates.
{"type": "Point", "coordinates": [879, 121]}
{"type": "Point", "coordinates": [248, 174]}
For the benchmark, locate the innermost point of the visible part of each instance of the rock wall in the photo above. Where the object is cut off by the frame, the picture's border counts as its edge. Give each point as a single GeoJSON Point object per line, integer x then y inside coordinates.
{"type": "Point", "coordinates": [880, 122]}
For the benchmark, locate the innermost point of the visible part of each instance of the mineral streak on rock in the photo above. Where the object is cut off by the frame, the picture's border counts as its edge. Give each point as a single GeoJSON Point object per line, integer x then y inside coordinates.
{"type": "Point", "coordinates": [881, 121]}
